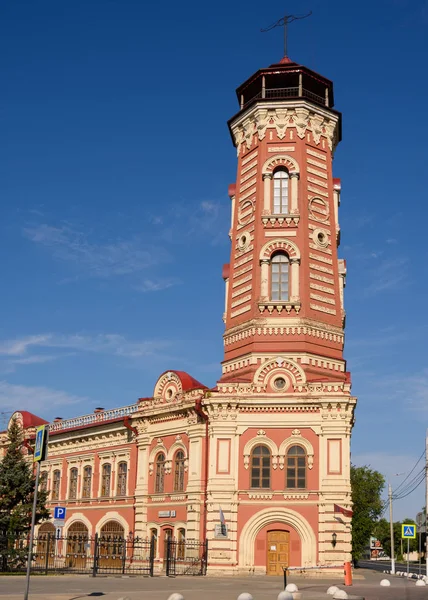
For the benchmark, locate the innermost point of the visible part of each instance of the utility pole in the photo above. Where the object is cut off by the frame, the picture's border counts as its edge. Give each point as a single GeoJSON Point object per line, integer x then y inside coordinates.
{"type": "Point", "coordinates": [391, 525]}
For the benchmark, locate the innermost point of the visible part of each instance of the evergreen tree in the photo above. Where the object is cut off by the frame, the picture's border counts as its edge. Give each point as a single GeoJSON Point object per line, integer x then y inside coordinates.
{"type": "Point", "coordinates": [367, 486]}
{"type": "Point", "coordinates": [17, 483]}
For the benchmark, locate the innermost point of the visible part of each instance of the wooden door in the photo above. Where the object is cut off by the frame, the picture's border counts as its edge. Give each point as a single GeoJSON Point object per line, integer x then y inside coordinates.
{"type": "Point", "coordinates": [278, 552]}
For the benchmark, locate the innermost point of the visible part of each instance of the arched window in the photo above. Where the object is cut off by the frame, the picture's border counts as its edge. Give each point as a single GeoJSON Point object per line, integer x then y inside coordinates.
{"type": "Point", "coordinates": [154, 537]}
{"type": "Point", "coordinates": [279, 277]}
{"type": "Point", "coordinates": [280, 192]}
{"type": "Point", "coordinates": [87, 482]}
{"type": "Point", "coordinates": [296, 468]}
{"type": "Point", "coordinates": [160, 472]}
{"type": "Point", "coordinates": [72, 486]}
{"type": "Point", "coordinates": [260, 467]}
{"type": "Point", "coordinates": [179, 472]}
{"type": "Point", "coordinates": [122, 472]}
{"type": "Point", "coordinates": [181, 545]}
{"type": "Point", "coordinates": [56, 481]}
{"type": "Point", "coordinates": [43, 481]}
{"type": "Point", "coordinates": [106, 480]}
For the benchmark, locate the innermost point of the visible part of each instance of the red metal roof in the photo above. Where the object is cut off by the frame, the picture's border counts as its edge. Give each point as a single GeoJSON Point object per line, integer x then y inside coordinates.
{"type": "Point", "coordinates": [187, 381]}
{"type": "Point", "coordinates": [30, 420]}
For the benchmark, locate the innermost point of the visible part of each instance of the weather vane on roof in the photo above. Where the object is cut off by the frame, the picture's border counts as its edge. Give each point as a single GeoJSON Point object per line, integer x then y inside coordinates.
{"type": "Point", "coordinates": [283, 22]}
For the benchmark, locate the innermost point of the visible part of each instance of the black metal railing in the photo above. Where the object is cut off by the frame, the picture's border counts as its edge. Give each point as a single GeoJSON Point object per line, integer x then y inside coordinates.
{"type": "Point", "coordinates": [101, 555]}
{"type": "Point", "coordinates": [186, 557]}
{"type": "Point", "coordinates": [288, 92]}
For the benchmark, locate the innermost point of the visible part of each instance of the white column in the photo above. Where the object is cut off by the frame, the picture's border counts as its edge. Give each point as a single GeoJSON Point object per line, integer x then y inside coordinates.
{"type": "Point", "coordinates": [264, 287]}
{"type": "Point", "coordinates": [267, 208]}
{"type": "Point", "coordinates": [294, 200]}
{"type": "Point", "coordinates": [295, 283]}
{"type": "Point", "coordinates": [232, 217]}
{"type": "Point", "coordinates": [226, 293]}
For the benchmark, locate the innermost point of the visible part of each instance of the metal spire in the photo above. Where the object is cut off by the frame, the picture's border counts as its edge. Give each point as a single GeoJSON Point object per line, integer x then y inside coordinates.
{"type": "Point", "coordinates": [283, 22]}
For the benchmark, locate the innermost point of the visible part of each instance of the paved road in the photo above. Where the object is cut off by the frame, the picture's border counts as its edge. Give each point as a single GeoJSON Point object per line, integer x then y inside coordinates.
{"type": "Point", "coordinates": [385, 565]}
{"type": "Point", "coordinates": [81, 587]}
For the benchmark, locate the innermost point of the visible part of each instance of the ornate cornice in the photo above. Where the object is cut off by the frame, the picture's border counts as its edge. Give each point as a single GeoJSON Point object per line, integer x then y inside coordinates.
{"type": "Point", "coordinates": [282, 115]}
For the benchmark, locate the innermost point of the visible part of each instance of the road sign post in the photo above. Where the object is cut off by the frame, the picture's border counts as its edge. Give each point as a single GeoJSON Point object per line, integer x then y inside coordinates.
{"type": "Point", "coordinates": [408, 532]}
{"type": "Point", "coordinates": [40, 454]}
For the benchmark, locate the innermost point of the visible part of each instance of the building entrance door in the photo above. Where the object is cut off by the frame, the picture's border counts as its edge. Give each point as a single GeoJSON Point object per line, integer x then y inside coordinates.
{"type": "Point", "coordinates": [278, 552]}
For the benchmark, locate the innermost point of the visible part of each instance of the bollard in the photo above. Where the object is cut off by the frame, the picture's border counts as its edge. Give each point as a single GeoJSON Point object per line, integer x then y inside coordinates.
{"type": "Point", "coordinates": [332, 590]}
{"type": "Point", "coordinates": [176, 596]}
{"type": "Point", "coordinates": [245, 596]}
{"type": "Point", "coordinates": [285, 596]}
{"type": "Point", "coordinates": [385, 583]}
{"type": "Point", "coordinates": [348, 574]}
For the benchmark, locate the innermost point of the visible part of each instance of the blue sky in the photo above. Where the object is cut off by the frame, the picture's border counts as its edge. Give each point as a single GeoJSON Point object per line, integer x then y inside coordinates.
{"type": "Point", "coordinates": [115, 161]}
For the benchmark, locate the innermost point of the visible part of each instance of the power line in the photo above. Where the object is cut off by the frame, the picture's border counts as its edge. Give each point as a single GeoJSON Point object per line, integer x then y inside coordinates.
{"type": "Point", "coordinates": [406, 478]}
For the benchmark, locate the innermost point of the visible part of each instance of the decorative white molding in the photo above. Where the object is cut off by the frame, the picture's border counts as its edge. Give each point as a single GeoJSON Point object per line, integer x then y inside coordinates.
{"type": "Point", "coordinates": [257, 120]}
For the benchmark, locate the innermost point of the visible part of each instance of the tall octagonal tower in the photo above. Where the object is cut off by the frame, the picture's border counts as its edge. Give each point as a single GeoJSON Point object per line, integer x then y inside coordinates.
{"type": "Point", "coordinates": [282, 414]}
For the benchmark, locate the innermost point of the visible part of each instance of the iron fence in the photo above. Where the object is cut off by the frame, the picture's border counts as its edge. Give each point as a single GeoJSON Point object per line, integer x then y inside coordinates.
{"type": "Point", "coordinates": [78, 554]}
{"type": "Point", "coordinates": [97, 555]}
{"type": "Point", "coordinates": [186, 557]}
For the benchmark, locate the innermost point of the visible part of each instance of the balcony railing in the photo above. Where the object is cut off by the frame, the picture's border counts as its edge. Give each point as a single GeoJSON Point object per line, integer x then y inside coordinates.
{"type": "Point", "coordinates": [289, 92]}
{"type": "Point", "coordinates": [98, 417]}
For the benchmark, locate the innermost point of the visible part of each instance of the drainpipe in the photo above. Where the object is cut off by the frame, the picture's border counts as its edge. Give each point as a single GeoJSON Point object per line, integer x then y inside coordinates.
{"type": "Point", "coordinates": [128, 426]}
{"type": "Point", "coordinates": [126, 422]}
{"type": "Point", "coordinates": [199, 411]}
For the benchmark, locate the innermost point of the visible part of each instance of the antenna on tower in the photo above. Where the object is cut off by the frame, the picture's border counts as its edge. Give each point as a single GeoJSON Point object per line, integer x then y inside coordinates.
{"type": "Point", "coordinates": [283, 22]}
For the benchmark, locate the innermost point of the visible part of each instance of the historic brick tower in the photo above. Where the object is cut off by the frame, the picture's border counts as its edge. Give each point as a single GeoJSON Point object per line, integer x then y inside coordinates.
{"type": "Point", "coordinates": [283, 409]}
{"type": "Point", "coordinates": [258, 466]}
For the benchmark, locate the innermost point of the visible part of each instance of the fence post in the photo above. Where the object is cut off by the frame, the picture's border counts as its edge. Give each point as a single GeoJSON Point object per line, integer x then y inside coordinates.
{"type": "Point", "coordinates": [47, 553]}
{"type": "Point", "coordinates": [205, 558]}
{"type": "Point", "coordinates": [124, 555]}
{"type": "Point", "coordinates": [168, 555]}
{"type": "Point", "coordinates": [95, 565]}
{"type": "Point", "coordinates": [152, 556]}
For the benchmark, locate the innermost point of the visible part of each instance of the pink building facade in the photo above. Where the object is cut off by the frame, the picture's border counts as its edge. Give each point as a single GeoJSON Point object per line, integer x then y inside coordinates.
{"type": "Point", "coordinates": [256, 464]}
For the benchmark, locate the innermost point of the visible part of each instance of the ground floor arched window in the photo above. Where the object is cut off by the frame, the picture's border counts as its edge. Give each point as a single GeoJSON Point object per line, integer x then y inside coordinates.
{"type": "Point", "coordinates": [111, 545]}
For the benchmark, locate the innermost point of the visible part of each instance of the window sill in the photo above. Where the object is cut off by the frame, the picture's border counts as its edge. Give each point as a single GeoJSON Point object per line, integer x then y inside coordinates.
{"type": "Point", "coordinates": [288, 306]}
{"type": "Point", "coordinates": [290, 220]}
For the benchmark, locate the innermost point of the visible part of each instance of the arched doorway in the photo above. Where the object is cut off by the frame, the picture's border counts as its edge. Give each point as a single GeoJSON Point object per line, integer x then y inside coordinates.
{"type": "Point", "coordinates": [77, 540]}
{"type": "Point", "coordinates": [45, 545]}
{"type": "Point", "coordinates": [112, 545]}
{"type": "Point", "coordinates": [278, 551]}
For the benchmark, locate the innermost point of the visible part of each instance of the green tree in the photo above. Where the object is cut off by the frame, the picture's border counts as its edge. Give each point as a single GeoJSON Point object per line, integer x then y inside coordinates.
{"type": "Point", "coordinates": [17, 483]}
{"type": "Point", "coordinates": [382, 532]}
{"type": "Point", "coordinates": [367, 486]}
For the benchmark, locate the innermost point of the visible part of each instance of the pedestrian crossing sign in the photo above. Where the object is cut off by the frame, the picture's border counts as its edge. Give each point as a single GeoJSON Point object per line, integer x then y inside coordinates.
{"type": "Point", "coordinates": [408, 531]}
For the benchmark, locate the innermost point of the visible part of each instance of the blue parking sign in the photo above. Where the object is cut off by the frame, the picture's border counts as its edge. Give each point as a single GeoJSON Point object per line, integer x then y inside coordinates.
{"type": "Point", "coordinates": [59, 512]}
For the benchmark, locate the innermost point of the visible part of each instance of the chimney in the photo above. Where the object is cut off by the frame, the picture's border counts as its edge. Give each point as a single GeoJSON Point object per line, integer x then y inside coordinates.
{"type": "Point", "coordinates": [98, 409]}
{"type": "Point", "coordinates": [57, 419]}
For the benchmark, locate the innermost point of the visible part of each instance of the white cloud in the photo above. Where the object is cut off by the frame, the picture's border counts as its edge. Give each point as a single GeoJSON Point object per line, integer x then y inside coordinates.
{"type": "Point", "coordinates": [388, 275]}
{"type": "Point", "coordinates": [120, 257]}
{"type": "Point", "coordinates": [18, 347]}
{"type": "Point", "coordinates": [156, 285]}
{"type": "Point", "coordinates": [109, 343]}
{"type": "Point", "coordinates": [34, 398]}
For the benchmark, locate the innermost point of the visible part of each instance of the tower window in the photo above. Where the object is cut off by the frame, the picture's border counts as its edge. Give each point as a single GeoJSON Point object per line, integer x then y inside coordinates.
{"type": "Point", "coordinates": [280, 192]}
{"type": "Point", "coordinates": [296, 468]}
{"type": "Point", "coordinates": [260, 468]}
{"type": "Point", "coordinates": [279, 277]}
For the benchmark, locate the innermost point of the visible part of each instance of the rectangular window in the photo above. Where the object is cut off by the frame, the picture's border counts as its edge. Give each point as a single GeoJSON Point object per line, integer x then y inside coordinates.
{"type": "Point", "coordinates": [56, 480]}
{"type": "Point", "coordinates": [72, 490]}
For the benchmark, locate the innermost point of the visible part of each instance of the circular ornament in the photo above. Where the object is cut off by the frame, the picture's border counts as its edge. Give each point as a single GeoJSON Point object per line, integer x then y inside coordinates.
{"type": "Point", "coordinates": [319, 209]}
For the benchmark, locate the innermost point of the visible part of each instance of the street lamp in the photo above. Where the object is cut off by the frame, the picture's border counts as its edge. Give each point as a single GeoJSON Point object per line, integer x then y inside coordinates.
{"type": "Point", "coordinates": [334, 540]}
{"type": "Point", "coordinates": [391, 524]}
